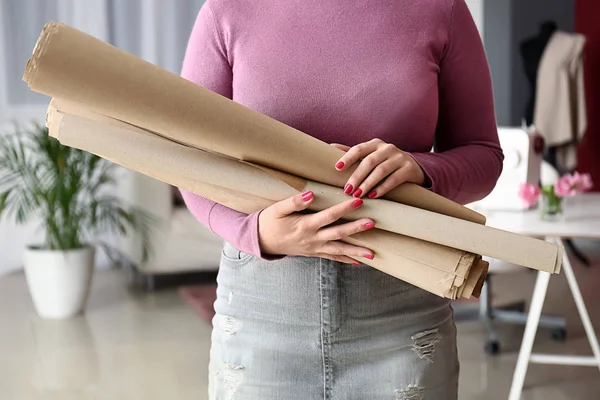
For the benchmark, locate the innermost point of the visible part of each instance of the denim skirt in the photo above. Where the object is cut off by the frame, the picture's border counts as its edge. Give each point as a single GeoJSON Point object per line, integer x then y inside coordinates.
{"type": "Point", "coordinates": [304, 328]}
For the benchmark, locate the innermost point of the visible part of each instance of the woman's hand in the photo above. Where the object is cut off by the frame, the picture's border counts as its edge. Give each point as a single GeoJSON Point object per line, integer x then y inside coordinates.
{"type": "Point", "coordinates": [381, 168]}
{"type": "Point", "coordinates": [284, 231]}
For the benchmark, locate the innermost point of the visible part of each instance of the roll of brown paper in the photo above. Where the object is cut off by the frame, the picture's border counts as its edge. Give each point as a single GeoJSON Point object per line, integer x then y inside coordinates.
{"type": "Point", "coordinates": [433, 267]}
{"type": "Point", "coordinates": [391, 216]}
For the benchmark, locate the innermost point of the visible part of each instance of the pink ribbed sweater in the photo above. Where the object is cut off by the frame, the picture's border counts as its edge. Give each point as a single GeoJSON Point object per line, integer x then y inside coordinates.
{"type": "Point", "coordinates": [410, 72]}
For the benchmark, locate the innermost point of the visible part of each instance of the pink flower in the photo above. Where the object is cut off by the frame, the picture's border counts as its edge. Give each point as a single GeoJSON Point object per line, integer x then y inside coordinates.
{"type": "Point", "coordinates": [585, 183]}
{"type": "Point", "coordinates": [569, 185]}
{"type": "Point", "coordinates": [563, 187]}
{"type": "Point", "coordinates": [529, 193]}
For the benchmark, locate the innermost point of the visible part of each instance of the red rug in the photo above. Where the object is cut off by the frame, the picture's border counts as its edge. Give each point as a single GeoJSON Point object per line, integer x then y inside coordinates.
{"type": "Point", "coordinates": [201, 298]}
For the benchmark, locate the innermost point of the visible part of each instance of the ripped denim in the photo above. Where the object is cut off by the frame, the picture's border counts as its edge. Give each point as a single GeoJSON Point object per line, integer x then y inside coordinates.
{"type": "Point", "coordinates": [307, 328]}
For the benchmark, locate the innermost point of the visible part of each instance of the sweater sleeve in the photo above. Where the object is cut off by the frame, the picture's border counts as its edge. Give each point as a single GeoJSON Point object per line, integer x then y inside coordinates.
{"type": "Point", "coordinates": [467, 158]}
{"type": "Point", "coordinates": [206, 64]}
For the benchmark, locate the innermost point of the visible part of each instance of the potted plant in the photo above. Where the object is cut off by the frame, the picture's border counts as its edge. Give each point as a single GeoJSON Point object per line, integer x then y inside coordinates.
{"type": "Point", "coordinates": [552, 195]}
{"type": "Point", "coordinates": [69, 191]}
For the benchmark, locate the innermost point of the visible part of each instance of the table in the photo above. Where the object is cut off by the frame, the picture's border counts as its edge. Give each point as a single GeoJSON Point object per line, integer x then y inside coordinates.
{"type": "Point", "coordinates": [581, 220]}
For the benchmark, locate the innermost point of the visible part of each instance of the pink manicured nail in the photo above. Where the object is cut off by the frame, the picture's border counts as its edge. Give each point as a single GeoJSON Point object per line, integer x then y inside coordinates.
{"type": "Point", "coordinates": [358, 193]}
{"type": "Point", "coordinates": [348, 189]}
{"type": "Point", "coordinates": [369, 256]}
{"type": "Point", "coordinates": [340, 165]}
{"type": "Point", "coordinates": [372, 194]}
{"type": "Point", "coordinates": [369, 225]}
{"type": "Point", "coordinates": [357, 203]}
{"type": "Point", "coordinates": [307, 196]}
{"type": "Point", "coordinates": [356, 264]}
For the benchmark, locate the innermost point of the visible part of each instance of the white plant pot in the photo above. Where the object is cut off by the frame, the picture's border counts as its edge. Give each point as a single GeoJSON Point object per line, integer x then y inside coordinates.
{"type": "Point", "coordinates": [59, 281]}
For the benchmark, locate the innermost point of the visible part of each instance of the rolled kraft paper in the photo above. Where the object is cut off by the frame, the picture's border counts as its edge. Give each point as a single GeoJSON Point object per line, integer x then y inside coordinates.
{"type": "Point", "coordinates": [441, 229]}
{"type": "Point", "coordinates": [70, 64]}
{"type": "Point", "coordinates": [142, 151]}
{"type": "Point", "coordinates": [448, 231]}
{"type": "Point", "coordinates": [391, 216]}
{"type": "Point", "coordinates": [414, 254]}
{"type": "Point", "coordinates": [417, 273]}
{"type": "Point", "coordinates": [432, 278]}
{"type": "Point", "coordinates": [161, 158]}
{"type": "Point", "coordinates": [426, 265]}
{"type": "Point", "coordinates": [473, 286]}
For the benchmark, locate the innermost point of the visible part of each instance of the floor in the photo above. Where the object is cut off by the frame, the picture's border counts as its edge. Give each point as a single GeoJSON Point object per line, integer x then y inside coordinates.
{"type": "Point", "coordinates": [132, 345]}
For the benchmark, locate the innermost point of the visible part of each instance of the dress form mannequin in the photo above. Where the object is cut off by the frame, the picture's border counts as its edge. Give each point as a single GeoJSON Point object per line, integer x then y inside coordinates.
{"type": "Point", "coordinates": [532, 50]}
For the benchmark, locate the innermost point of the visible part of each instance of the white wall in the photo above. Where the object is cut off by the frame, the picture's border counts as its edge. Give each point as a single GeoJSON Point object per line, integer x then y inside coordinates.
{"type": "Point", "coordinates": [476, 8]}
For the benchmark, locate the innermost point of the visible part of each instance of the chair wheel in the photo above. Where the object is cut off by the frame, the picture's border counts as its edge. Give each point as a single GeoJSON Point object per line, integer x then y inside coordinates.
{"type": "Point", "coordinates": [492, 347]}
{"type": "Point", "coordinates": [559, 334]}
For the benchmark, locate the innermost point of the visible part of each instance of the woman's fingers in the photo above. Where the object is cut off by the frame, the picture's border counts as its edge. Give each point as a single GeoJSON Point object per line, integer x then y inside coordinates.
{"type": "Point", "coordinates": [292, 204]}
{"type": "Point", "coordinates": [338, 232]}
{"type": "Point", "coordinates": [356, 153]}
{"type": "Point", "coordinates": [337, 248]}
{"type": "Point", "coordinates": [375, 161]}
{"type": "Point", "coordinates": [366, 177]}
{"type": "Point", "coordinates": [379, 160]}
{"type": "Point", "coordinates": [397, 178]}
{"type": "Point", "coordinates": [343, 259]}
{"type": "Point", "coordinates": [333, 214]}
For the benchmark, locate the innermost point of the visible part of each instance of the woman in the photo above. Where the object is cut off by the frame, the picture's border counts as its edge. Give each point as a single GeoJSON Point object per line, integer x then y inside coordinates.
{"type": "Point", "coordinates": [385, 81]}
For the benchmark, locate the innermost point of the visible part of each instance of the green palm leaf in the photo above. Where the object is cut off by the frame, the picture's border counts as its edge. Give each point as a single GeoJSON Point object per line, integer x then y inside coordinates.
{"type": "Point", "coordinates": [67, 188]}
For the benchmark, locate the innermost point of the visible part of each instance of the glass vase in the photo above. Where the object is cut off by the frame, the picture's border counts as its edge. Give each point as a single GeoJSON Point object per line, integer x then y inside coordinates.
{"type": "Point", "coordinates": [551, 208]}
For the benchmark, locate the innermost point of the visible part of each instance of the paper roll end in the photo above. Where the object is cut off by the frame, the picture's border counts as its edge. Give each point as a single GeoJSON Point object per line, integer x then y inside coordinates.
{"type": "Point", "coordinates": [481, 281]}
{"type": "Point", "coordinates": [53, 120]}
{"type": "Point", "coordinates": [559, 259]}
{"type": "Point", "coordinates": [475, 281]}
{"type": "Point", "coordinates": [38, 51]}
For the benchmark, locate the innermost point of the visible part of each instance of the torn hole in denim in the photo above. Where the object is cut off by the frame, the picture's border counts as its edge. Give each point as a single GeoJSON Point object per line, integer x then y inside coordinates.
{"type": "Point", "coordinates": [227, 324]}
{"type": "Point", "coordinates": [232, 378]}
{"type": "Point", "coordinates": [412, 392]}
{"type": "Point", "coordinates": [424, 344]}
